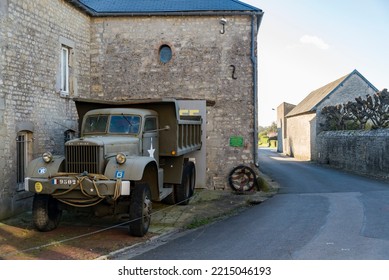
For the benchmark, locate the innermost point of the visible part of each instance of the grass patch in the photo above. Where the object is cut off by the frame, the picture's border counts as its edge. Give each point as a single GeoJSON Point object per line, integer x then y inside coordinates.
{"type": "Point", "coordinates": [196, 223]}
{"type": "Point", "coordinates": [263, 185]}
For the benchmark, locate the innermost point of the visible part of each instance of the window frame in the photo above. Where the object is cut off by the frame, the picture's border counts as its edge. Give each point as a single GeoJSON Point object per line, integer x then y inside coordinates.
{"type": "Point", "coordinates": [65, 79]}
{"type": "Point", "coordinates": [128, 122]}
{"type": "Point", "coordinates": [154, 120]}
{"type": "Point", "coordinates": [165, 54]}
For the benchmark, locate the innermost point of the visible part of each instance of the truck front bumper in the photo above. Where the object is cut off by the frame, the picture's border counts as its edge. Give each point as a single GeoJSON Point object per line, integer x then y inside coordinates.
{"type": "Point", "coordinates": [87, 185]}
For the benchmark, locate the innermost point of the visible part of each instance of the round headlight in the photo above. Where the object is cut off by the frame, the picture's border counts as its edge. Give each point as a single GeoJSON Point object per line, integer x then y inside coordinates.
{"type": "Point", "coordinates": [121, 158]}
{"type": "Point", "coordinates": [47, 157]}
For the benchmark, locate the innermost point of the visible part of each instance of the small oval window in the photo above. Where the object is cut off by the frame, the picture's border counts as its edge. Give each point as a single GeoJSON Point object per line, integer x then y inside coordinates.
{"type": "Point", "coordinates": [165, 53]}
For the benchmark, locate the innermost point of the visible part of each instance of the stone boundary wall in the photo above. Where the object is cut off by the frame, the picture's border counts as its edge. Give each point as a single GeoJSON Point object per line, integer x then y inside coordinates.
{"type": "Point", "coordinates": [363, 152]}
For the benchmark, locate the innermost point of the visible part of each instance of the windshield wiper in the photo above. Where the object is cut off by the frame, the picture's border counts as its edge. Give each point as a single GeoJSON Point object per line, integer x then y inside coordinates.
{"type": "Point", "coordinates": [129, 122]}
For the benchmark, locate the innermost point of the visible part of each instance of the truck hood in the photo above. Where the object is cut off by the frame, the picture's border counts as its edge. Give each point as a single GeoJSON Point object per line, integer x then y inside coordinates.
{"type": "Point", "coordinates": [103, 140]}
{"type": "Point", "coordinates": [111, 144]}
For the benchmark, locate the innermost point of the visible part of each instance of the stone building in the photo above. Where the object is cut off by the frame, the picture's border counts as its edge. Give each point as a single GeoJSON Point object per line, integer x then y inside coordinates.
{"type": "Point", "coordinates": [302, 124]}
{"type": "Point", "coordinates": [54, 50]}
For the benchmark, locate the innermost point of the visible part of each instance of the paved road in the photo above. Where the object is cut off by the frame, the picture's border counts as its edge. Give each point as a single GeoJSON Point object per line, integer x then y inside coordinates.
{"type": "Point", "coordinates": [319, 213]}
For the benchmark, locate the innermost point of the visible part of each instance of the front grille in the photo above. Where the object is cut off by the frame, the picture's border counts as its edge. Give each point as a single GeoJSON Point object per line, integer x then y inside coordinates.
{"type": "Point", "coordinates": [83, 158]}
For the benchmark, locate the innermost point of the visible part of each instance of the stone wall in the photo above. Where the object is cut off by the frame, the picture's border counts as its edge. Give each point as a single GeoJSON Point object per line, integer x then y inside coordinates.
{"type": "Point", "coordinates": [350, 89]}
{"type": "Point", "coordinates": [362, 152]}
{"type": "Point", "coordinates": [31, 34]}
{"type": "Point", "coordinates": [125, 64]}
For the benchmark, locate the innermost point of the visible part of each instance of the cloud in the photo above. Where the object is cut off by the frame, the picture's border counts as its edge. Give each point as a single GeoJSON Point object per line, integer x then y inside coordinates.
{"type": "Point", "coordinates": [314, 40]}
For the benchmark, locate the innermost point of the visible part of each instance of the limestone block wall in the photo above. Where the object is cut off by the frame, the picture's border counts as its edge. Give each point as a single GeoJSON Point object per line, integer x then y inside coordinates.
{"type": "Point", "coordinates": [362, 152]}
{"type": "Point", "coordinates": [205, 64]}
{"type": "Point", "coordinates": [31, 34]}
{"type": "Point", "coordinates": [353, 87]}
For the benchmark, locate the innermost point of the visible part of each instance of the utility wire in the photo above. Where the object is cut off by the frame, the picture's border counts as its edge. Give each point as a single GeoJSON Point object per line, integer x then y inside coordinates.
{"type": "Point", "coordinates": [87, 234]}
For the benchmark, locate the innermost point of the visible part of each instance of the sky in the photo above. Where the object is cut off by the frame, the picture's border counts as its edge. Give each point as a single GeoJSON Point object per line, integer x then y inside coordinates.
{"type": "Point", "coordinates": [306, 44]}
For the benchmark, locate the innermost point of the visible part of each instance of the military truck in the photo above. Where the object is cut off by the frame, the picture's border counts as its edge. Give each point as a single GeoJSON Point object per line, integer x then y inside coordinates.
{"type": "Point", "coordinates": [129, 154]}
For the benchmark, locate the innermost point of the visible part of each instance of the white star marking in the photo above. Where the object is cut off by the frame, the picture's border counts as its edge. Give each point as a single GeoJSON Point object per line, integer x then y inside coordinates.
{"type": "Point", "coordinates": [151, 150]}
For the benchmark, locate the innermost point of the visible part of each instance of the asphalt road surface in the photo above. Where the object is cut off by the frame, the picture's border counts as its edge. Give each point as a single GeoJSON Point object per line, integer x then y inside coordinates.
{"type": "Point", "coordinates": [319, 213]}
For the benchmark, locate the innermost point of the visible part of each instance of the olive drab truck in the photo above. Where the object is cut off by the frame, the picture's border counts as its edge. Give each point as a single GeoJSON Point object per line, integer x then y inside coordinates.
{"type": "Point", "coordinates": [129, 154]}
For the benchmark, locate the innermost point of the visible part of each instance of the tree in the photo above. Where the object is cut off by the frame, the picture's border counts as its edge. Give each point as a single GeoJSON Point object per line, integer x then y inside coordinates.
{"type": "Point", "coordinates": [356, 115]}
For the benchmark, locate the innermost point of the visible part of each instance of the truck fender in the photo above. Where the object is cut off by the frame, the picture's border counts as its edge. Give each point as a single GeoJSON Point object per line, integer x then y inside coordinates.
{"type": "Point", "coordinates": [37, 168]}
{"type": "Point", "coordinates": [131, 170]}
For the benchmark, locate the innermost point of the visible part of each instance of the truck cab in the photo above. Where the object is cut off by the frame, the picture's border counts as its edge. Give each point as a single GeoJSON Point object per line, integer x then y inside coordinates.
{"type": "Point", "coordinates": [112, 132]}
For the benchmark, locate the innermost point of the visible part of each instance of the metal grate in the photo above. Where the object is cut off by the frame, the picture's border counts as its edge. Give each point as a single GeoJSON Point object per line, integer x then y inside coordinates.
{"type": "Point", "coordinates": [21, 158]}
{"type": "Point", "coordinates": [83, 158]}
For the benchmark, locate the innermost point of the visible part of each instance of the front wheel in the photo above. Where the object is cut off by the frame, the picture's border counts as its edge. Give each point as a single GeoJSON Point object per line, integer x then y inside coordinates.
{"type": "Point", "coordinates": [45, 212]}
{"type": "Point", "coordinates": [140, 210]}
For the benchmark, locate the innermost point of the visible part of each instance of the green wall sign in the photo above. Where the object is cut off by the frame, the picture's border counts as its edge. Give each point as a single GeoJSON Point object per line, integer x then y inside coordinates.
{"type": "Point", "coordinates": [236, 141]}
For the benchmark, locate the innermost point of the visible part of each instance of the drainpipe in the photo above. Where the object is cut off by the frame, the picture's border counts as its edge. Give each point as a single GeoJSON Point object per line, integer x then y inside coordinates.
{"type": "Point", "coordinates": [255, 85]}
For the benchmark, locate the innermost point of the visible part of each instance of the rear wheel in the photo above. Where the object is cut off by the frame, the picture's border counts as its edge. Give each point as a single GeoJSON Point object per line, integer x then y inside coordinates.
{"type": "Point", "coordinates": [140, 210]}
{"type": "Point", "coordinates": [185, 190]}
{"type": "Point", "coordinates": [192, 178]}
{"type": "Point", "coordinates": [45, 212]}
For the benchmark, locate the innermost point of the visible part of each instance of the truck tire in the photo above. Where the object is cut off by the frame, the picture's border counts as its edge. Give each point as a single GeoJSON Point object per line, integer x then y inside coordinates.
{"type": "Point", "coordinates": [140, 210]}
{"type": "Point", "coordinates": [192, 178]}
{"type": "Point", "coordinates": [45, 212]}
{"type": "Point", "coordinates": [185, 190]}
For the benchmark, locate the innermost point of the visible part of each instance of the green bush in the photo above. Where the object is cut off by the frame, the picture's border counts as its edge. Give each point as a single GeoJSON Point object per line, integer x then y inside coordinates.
{"type": "Point", "coordinates": [263, 140]}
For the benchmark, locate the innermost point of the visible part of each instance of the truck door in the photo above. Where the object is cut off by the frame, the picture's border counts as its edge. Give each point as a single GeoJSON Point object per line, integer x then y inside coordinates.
{"type": "Point", "coordinates": [150, 138]}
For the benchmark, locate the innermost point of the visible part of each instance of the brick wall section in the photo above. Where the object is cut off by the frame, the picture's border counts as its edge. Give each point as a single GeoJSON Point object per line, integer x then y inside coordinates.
{"type": "Point", "coordinates": [30, 49]}
{"type": "Point", "coordinates": [125, 64]}
{"type": "Point", "coordinates": [362, 152]}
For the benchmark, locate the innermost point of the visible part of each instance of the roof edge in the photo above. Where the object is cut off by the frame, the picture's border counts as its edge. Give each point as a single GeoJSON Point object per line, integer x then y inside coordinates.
{"type": "Point", "coordinates": [312, 111]}
{"type": "Point", "coordinates": [247, 5]}
{"type": "Point", "coordinates": [93, 13]}
{"type": "Point", "coordinates": [366, 80]}
{"type": "Point", "coordinates": [356, 72]}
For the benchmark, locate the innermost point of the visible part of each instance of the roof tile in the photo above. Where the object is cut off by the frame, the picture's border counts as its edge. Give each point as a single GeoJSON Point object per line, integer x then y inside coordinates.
{"type": "Point", "coordinates": [158, 6]}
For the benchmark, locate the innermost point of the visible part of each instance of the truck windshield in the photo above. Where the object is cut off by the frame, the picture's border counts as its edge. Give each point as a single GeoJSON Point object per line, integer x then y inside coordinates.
{"type": "Point", "coordinates": [124, 124]}
{"type": "Point", "coordinates": [96, 124]}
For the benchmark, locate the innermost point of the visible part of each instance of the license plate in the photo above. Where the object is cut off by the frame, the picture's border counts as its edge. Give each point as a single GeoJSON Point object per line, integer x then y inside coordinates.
{"type": "Point", "coordinates": [64, 181]}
